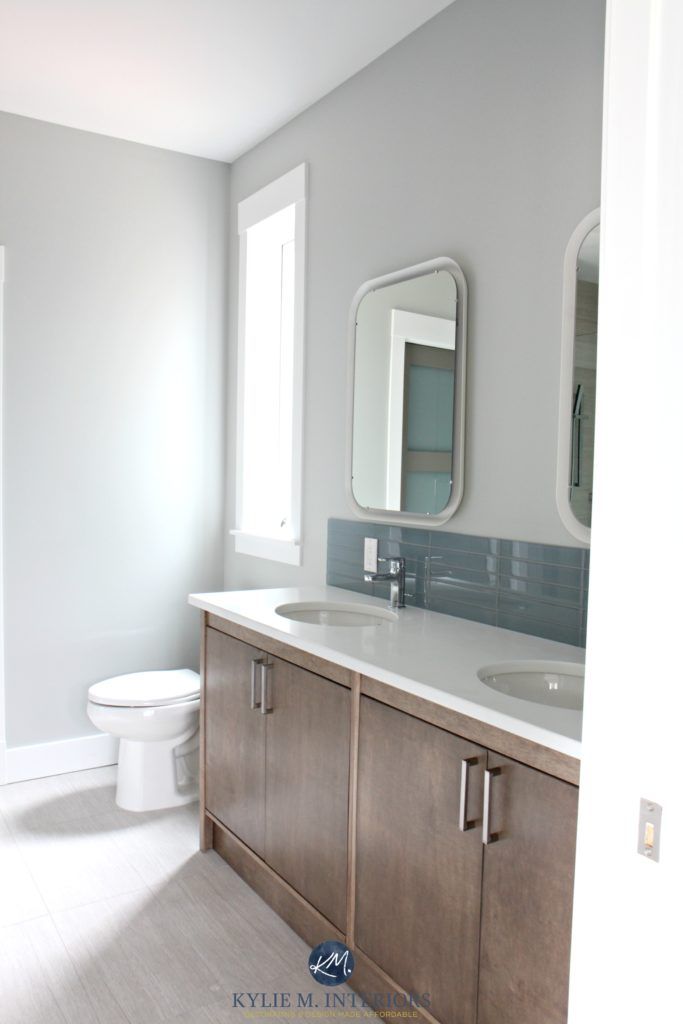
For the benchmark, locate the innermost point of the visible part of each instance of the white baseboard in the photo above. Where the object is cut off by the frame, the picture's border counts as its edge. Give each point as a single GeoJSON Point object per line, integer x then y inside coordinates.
{"type": "Point", "coordinates": [41, 759]}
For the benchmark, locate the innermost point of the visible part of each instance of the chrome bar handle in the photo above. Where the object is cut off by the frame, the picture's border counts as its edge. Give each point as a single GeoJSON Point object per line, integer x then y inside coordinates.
{"type": "Point", "coordinates": [464, 824]}
{"type": "Point", "coordinates": [488, 836]}
{"type": "Point", "coordinates": [253, 703]}
{"type": "Point", "coordinates": [265, 668]}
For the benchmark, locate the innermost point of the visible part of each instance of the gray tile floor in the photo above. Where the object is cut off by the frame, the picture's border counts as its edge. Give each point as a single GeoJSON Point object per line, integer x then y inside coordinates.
{"type": "Point", "coordinates": [109, 917]}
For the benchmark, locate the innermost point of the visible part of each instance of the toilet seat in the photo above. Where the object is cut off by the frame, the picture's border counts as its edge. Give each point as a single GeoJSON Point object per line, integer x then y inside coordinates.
{"type": "Point", "coordinates": [146, 689]}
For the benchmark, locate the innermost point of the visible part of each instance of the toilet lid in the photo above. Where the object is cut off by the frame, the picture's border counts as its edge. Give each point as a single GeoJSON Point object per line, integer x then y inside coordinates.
{"type": "Point", "coordinates": [146, 689]}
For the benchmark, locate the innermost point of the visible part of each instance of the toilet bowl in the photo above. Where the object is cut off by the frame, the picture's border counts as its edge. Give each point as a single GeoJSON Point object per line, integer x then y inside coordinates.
{"type": "Point", "coordinates": [156, 717]}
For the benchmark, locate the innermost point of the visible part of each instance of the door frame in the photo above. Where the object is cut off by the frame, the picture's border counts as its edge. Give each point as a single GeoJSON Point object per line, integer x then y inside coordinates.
{"type": "Point", "coordinates": [415, 329]}
{"type": "Point", "coordinates": [624, 965]}
{"type": "Point", "coordinates": [3, 705]}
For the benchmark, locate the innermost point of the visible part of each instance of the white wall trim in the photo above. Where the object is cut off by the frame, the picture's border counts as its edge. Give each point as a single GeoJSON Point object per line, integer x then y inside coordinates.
{"type": "Point", "coordinates": [285, 190]}
{"type": "Point", "coordinates": [3, 712]}
{"type": "Point", "coordinates": [41, 759]}
{"type": "Point", "coordinates": [288, 551]}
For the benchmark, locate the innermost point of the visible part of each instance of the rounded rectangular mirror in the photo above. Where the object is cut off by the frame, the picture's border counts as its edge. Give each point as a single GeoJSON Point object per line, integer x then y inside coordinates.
{"type": "Point", "coordinates": [406, 438]}
{"type": "Point", "coordinates": [578, 377]}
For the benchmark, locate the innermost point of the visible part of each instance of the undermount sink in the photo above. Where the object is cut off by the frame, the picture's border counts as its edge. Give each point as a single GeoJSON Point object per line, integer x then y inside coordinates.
{"type": "Point", "coordinates": [333, 613]}
{"type": "Point", "coordinates": [556, 684]}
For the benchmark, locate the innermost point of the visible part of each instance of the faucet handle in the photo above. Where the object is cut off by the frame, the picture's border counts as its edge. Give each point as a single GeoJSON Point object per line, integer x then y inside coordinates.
{"type": "Point", "coordinates": [396, 577]}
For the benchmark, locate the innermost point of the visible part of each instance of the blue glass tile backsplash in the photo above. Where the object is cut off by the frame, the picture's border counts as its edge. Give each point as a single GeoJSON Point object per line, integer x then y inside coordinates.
{"type": "Point", "coordinates": [540, 589]}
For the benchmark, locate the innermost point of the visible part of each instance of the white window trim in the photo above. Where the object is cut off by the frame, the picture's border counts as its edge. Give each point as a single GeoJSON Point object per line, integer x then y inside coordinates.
{"type": "Point", "coordinates": [290, 188]}
{"type": "Point", "coordinates": [287, 551]}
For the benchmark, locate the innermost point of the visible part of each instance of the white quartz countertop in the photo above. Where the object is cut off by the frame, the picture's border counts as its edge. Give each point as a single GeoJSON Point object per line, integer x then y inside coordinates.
{"type": "Point", "coordinates": [431, 655]}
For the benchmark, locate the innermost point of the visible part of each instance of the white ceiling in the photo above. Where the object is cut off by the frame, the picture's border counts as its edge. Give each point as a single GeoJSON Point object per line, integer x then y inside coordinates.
{"type": "Point", "coordinates": [208, 77]}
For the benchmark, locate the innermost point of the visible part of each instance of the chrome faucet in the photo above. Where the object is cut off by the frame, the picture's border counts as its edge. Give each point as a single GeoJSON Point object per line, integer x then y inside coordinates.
{"type": "Point", "coordinates": [396, 577]}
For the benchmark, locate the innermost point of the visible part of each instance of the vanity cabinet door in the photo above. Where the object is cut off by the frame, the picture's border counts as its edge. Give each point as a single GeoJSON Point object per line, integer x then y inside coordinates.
{"type": "Point", "coordinates": [418, 886]}
{"type": "Point", "coordinates": [528, 885]}
{"type": "Point", "coordinates": [307, 786]}
{"type": "Point", "coordinates": [235, 740]}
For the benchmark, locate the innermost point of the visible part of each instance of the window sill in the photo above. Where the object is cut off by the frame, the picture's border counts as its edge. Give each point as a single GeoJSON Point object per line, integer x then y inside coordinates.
{"type": "Point", "coordinates": [288, 551]}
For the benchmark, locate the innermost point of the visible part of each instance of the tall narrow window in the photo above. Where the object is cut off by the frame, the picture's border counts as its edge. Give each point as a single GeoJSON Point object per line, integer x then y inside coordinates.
{"type": "Point", "coordinates": [271, 226]}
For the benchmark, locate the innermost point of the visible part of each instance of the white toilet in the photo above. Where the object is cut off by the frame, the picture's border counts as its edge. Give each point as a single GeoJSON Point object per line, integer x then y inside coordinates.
{"type": "Point", "coordinates": [156, 717]}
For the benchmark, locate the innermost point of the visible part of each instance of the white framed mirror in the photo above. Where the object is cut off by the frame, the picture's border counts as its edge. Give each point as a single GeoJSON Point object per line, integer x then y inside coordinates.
{"type": "Point", "coordinates": [576, 433]}
{"type": "Point", "coordinates": [406, 420]}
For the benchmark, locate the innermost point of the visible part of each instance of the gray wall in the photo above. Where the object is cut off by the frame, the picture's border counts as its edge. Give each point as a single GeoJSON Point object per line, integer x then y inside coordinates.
{"type": "Point", "coordinates": [113, 406]}
{"type": "Point", "coordinates": [478, 137]}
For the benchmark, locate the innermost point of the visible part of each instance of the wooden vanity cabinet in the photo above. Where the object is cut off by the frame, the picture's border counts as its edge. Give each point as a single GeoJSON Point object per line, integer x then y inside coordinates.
{"type": "Point", "coordinates": [344, 807]}
{"type": "Point", "coordinates": [307, 786]}
{"type": "Point", "coordinates": [279, 780]}
{"type": "Point", "coordinates": [484, 929]}
{"type": "Point", "coordinates": [418, 877]}
{"type": "Point", "coordinates": [527, 894]}
{"type": "Point", "coordinates": [235, 740]}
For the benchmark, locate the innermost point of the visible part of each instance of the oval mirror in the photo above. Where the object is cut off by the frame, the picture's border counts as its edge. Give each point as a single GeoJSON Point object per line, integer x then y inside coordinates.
{"type": "Point", "coordinates": [407, 344]}
{"type": "Point", "coordinates": [578, 377]}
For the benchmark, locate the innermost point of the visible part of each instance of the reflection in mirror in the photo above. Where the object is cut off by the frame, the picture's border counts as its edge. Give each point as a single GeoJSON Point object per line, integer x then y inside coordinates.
{"type": "Point", "coordinates": [406, 426]}
{"type": "Point", "coordinates": [583, 390]}
{"type": "Point", "coordinates": [578, 377]}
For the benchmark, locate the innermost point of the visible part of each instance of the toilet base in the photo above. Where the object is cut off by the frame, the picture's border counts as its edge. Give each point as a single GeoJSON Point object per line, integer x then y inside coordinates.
{"type": "Point", "coordinates": [154, 775]}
